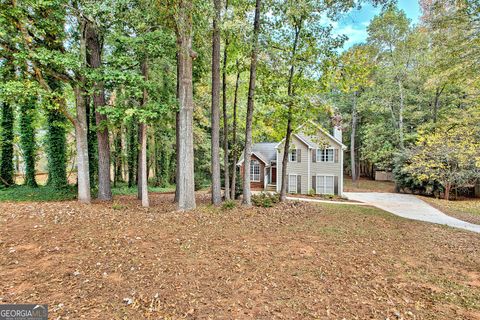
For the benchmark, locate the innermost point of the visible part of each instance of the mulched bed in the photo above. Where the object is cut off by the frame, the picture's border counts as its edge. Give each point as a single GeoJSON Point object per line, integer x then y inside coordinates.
{"type": "Point", "coordinates": [320, 197]}
{"type": "Point", "coordinates": [294, 261]}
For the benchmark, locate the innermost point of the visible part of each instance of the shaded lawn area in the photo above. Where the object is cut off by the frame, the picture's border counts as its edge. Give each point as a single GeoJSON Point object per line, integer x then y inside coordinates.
{"type": "Point", "coordinates": [293, 261]}
{"type": "Point", "coordinates": [41, 193]}
{"type": "Point", "coordinates": [45, 193]}
{"type": "Point", "coordinates": [366, 185]}
{"type": "Point", "coordinates": [463, 209]}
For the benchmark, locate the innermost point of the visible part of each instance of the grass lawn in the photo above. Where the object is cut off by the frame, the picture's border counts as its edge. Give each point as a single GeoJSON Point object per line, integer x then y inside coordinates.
{"type": "Point", "coordinates": [44, 193]}
{"type": "Point", "coordinates": [463, 209]}
{"type": "Point", "coordinates": [366, 185]}
{"type": "Point", "coordinates": [293, 261]}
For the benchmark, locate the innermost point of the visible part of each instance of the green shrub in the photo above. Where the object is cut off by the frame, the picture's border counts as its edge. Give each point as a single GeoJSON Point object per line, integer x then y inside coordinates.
{"type": "Point", "coordinates": [406, 182]}
{"type": "Point", "coordinates": [265, 199]}
{"type": "Point", "coordinates": [117, 206]}
{"type": "Point", "coordinates": [229, 204]}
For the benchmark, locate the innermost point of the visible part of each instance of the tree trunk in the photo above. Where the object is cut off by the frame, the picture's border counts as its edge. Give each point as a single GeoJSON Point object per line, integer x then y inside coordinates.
{"type": "Point", "coordinates": [82, 128]}
{"type": "Point", "coordinates": [92, 142]}
{"type": "Point", "coordinates": [436, 103]}
{"type": "Point", "coordinates": [143, 183]}
{"type": "Point", "coordinates": [139, 160]}
{"type": "Point", "coordinates": [177, 133]}
{"type": "Point", "coordinates": [186, 181]}
{"type": "Point", "coordinates": [132, 153]}
{"type": "Point", "coordinates": [400, 114]}
{"type": "Point", "coordinates": [143, 172]}
{"type": "Point", "coordinates": [283, 188]}
{"type": "Point", "coordinates": [57, 148]}
{"type": "Point", "coordinates": [6, 142]}
{"type": "Point", "coordinates": [117, 158]}
{"type": "Point", "coordinates": [234, 137]}
{"type": "Point", "coordinates": [250, 105]}
{"type": "Point", "coordinates": [81, 139]}
{"type": "Point", "coordinates": [226, 163]}
{"type": "Point", "coordinates": [448, 187]}
{"type": "Point", "coordinates": [94, 51]}
{"type": "Point", "coordinates": [352, 137]}
{"type": "Point", "coordinates": [290, 93]}
{"type": "Point", "coordinates": [215, 113]}
{"type": "Point", "coordinates": [27, 140]}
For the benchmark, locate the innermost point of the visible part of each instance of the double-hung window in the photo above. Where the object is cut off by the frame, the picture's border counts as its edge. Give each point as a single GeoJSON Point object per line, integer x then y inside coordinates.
{"type": "Point", "coordinates": [255, 171]}
{"type": "Point", "coordinates": [292, 183]}
{"type": "Point", "coordinates": [325, 185]}
{"type": "Point", "coordinates": [292, 155]}
{"type": "Point", "coordinates": [325, 155]}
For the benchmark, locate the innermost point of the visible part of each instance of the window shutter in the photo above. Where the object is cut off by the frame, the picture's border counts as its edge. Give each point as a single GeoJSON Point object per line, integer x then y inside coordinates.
{"type": "Point", "coordinates": [299, 184]}
{"type": "Point", "coordinates": [314, 183]}
{"type": "Point", "coordinates": [335, 155]}
{"type": "Point", "coordinates": [299, 155]}
{"type": "Point", "coordinates": [335, 185]}
{"type": "Point", "coordinates": [314, 155]}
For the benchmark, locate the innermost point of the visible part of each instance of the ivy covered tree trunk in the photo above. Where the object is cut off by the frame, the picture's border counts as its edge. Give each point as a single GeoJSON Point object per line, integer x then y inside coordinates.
{"type": "Point", "coordinates": [6, 160]}
{"type": "Point", "coordinates": [185, 166]}
{"type": "Point", "coordinates": [56, 149]}
{"type": "Point", "coordinates": [94, 51]}
{"type": "Point", "coordinates": [27, 140]}
{"type": "Point", "coordinates": [177, 132]}
{"type": "Point", "coordinates": [117, 157]}
{"type": "Point", "coordinates": [132, 152]}
{"type": "Point", "coordinates": [158, 160]}
{"type": "Point", "coordinates": [91, 141]}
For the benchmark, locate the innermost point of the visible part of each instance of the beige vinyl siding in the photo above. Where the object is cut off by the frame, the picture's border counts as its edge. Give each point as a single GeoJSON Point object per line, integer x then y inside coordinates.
{"type": "Point", "coordinates": [316, 168]}
{"type": "Point", "coordinates": [328, 168]}
{"type": "Point", "coordinates": [299, 168]}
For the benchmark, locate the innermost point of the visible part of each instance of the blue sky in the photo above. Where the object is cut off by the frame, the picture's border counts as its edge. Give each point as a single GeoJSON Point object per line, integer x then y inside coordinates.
{"type": "Point", "coordinates": [354, 24]}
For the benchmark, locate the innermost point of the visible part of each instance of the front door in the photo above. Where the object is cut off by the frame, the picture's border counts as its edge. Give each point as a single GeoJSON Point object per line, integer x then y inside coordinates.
{"type": "Point", "coordinates": [273, 177]}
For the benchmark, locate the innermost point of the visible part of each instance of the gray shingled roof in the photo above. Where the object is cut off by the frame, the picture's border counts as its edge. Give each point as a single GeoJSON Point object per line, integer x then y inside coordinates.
{"type": "Point", "coordinates": [264, 150]}
{"type": "Point", "coordinates": [267, 149]}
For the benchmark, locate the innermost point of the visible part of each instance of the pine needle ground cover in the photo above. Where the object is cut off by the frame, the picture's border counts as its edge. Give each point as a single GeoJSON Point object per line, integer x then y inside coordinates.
{"type": "Point", "coordinates": [290, 261]}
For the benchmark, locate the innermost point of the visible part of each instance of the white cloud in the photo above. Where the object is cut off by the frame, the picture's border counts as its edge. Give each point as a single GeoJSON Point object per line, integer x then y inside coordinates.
{"type": "Point", "coordinates": [354, 33]}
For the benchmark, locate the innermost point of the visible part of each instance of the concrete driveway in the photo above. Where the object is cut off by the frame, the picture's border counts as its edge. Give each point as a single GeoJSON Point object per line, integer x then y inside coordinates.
{"type": "Point", "coordinates": [410, 207]}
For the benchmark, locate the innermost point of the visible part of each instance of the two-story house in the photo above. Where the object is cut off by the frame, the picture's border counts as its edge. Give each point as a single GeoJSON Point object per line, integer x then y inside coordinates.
{"type": "Point", "coordinates": [315, 163]}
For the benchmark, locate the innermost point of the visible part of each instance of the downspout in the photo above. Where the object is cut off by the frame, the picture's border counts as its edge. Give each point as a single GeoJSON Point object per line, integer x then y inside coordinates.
{"type": "Point", "coordinates": [340, 191]}
{"type": "Point", "coordinates": [309, 156]}
{"type": "Point", "coordinates": [278, 180]}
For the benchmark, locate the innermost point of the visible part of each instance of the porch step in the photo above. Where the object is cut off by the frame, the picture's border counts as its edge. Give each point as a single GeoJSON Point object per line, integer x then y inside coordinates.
{"type": "Point", "coordinates": [271, 187]}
